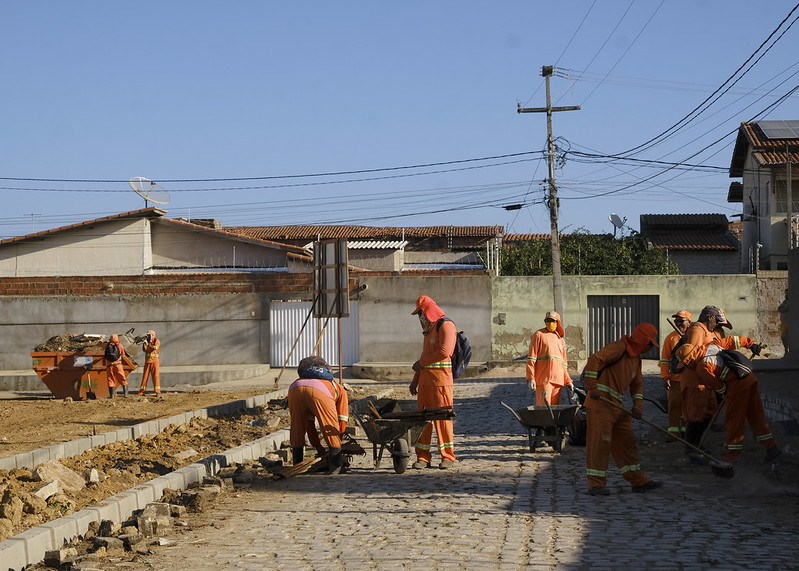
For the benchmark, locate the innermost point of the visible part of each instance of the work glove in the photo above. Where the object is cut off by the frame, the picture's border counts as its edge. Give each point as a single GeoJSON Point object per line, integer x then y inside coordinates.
{"type": "Point", "coordinates": [413, 387]}
{"type": "Point", "coordinates": [756, 348]}
{"type": "Point", "coordinates": [531, 385]}
{"type": "Point", "coordinates": [571, 394]}
{"type": "Point", "coordinates": [637, 413]}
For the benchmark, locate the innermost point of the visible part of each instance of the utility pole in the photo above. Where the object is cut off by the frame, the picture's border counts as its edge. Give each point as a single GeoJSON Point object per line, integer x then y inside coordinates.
{"type": "Point", "coordinates": [552, 200]}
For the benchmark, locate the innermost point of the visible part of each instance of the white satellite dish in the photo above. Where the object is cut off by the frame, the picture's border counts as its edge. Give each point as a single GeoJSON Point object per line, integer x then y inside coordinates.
{"type": "Point", "coordinates": [149, 190]}
{"type": "Point", "coordinates": [617, 222]}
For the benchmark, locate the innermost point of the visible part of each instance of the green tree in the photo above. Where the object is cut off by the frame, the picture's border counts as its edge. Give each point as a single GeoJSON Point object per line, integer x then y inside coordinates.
{"type": "Point", "coordinates": [582, 253]}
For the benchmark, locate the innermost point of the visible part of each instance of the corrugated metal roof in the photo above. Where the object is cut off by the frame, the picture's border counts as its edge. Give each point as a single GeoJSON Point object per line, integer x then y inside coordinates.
{"type": "Point", "coordinates": [370, 245]}
{"type": "Point", "coordinates": [767, 151]}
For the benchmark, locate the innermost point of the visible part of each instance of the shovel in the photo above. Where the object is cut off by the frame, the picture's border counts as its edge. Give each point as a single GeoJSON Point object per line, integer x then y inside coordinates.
{"type": "Point", "coordinates": [720, 468]}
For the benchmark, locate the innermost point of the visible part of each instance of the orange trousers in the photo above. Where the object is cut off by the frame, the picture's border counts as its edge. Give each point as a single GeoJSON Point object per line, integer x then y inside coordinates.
{"type": "Point", "coordinates": [742, 404]}
{"type": "Point", "coordinates": [116, 376]}
{"type": "Point", "coordinates": [610, 432]}
{"type": "Point", "coordinates": [307, 404]}
{"type": "Point", "coordinates": [675, 407]}
{"type": "Point", "coordinates": [698, 405]}
{"type": "Point", "coordinates": [151, 369]}
{"type": "Point", "coordinates": [552, 391]}
{"type": "Point", "coordinates": [430, 396]}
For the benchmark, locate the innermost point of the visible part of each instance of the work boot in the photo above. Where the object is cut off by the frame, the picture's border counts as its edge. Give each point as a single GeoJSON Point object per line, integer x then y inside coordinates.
{"type": "Point", "coordinates": [420, 464]}
{"type": "Point", "coordinates": [334, 461]}
{"type": "Point", "coordinates": [603, 491]}
{"type": "Point", "coordinates": [772, 454]}
{"type": "Point", "coordinates": [125, 391]}
{"type": "Point", "coordinates": [447, 464]}
{"type": "Point", "coordinates": [650, 485]}
{"type": "Point", "coordinates": [297, 455]}
{"type": "Point", "coordinates": [111, 391]}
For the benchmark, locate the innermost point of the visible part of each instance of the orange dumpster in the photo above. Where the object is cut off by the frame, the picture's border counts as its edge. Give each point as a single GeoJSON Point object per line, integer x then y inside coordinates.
{"type": "Point", "coordinates": [77, 374]}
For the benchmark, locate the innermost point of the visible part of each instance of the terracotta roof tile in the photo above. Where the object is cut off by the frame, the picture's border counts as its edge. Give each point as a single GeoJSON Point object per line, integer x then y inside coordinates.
{"type": "Point", "coordinates": [362, 232]}
{"type": "Point", "coordinates": [524, 237]}
{"type": "Point", "coordinates": [767, 151]}
{"type": "Point", "coordinates": [694, 240]}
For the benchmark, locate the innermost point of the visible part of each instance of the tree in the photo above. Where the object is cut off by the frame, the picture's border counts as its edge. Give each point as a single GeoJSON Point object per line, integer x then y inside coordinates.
{"type": "Point", "coordinates": [583, 253]}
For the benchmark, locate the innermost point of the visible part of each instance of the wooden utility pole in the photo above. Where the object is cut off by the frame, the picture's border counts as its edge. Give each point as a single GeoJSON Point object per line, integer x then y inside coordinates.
{"type": "Point", "coordinates": [552, 200]}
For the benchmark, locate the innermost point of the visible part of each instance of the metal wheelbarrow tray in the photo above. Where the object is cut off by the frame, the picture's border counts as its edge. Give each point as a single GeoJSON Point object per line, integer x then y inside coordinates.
{"type": "Point", "coordinates": [553, 422]}
{"type": "Point", "coordinates": [397, 434]}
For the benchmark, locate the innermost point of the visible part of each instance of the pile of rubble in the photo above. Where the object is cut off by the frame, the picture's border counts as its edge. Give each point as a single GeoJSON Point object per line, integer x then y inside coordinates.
{"type": "Point", "coordinates": [89, 342]}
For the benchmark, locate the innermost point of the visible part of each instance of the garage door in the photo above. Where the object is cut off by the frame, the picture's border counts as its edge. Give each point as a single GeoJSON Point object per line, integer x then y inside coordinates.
{"type": "Point", "coordinates": [611, 316]}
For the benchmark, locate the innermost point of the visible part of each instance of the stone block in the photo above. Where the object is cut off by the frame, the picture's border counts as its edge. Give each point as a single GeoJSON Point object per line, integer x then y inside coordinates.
{"type": "Point", "coordinates": [157, 509]}
{"type": "Point", "coordinates": [38, 541]}
{"type": "Point", "coordinates": [62, 529]}
{"type": "Point", "coordinates": [12, 554]}
{"type": "Point", "coordinates": [128, 503]}
{"type": "Point", "coordinates": [144, 495]}
{"type": "Point", "coordinates": [82, 519]}
{"type": "Point", "coordinates": [193, 474]}
{"type": "Point", "coordinates": [124, 434]}
{"type": "Point", "coordinates": [98, 440]}
{"type": "Point", "coordinates": [107, 509]}
{"type": "Point", "coordinates": [58, 557]}
{"type": "Point", "coordinates": [8, 463]}
{"type": "Point", "coordinates": [109, 528]}
{"type": "Point", "coordinates": [56, 451]}
{"type": "Point", "coordinates": [54, 470]}
{"type": "Point", "coordinates": [131, 539]}
{"type": "Point", "coordinates": [108, 542]}
{"type": "Point", "coordinates": [24, 460]}
{"type": "Point", "coordinates": [47, 490]}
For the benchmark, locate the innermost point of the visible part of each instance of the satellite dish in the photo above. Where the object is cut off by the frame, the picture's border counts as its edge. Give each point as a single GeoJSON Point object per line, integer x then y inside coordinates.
{"type": "Point", "coordinates": [617, 222]}
{"type": "Point", "coordinates": [149, 190]}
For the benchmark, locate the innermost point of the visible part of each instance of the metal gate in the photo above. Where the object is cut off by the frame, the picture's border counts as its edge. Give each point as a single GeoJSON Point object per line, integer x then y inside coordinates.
{"type": "Point", "coordinates": [285, 321]}
{"type": "Point", "coordinates": [611, 316]}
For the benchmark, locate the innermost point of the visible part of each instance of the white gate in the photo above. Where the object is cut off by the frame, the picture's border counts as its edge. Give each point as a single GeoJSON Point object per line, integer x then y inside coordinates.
{"type": "Point", "coordinates": [286, 319]}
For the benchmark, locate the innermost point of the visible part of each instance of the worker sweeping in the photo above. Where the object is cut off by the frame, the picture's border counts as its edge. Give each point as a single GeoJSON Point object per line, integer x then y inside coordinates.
{"type": "Point", "coordinates": [730, 374]}
{"type": "Point", "coordinates": [151, 363]}
{"type": "Point", "coordinates": [699, 402]}
{"type": "Point", "coordinates": [317, 396]}
{"type": "Point", "coordinates": [114, 352]}
{"type": "Point", "coordinates": [609, 373]}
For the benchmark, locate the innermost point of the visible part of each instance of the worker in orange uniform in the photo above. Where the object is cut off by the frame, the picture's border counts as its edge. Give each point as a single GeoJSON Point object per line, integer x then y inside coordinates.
{"type": "Point", "coordinates": [432, 381]}
{"type": "Point", "coordinates": [151, 363]}
{"type": "Point", "coordinates": [317, 396]}
{"type": "Point", "coordinates": [114, 352]}
{"type": "Point", "coordinates": [682, 319]}
{"type": "Point", "coordinates": [608, 374]}
{"type": "Point", "coordinates": [742, 402]}
{"type": "Point", "coordinates": [547, 367]}
{"type": "Point", "coordinates": [699, 402]}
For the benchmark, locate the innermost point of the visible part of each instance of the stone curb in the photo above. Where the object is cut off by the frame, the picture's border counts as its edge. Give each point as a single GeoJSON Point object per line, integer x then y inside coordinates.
{"type": "Point", "coordinates": [29, 547]}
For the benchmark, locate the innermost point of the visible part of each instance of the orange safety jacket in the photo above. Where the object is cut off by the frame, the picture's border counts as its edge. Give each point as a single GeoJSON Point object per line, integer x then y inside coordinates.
{"type": "Point", "coordinates": [546, 359]}
{"type": "Point", "coordinates": [151, 350]}
{"type": "Point", "coordinates": [611, 371]}
{"type": "Point", "coordinates": [436, 362]}
{"type": "Point", "coordinates": [337, 392]}
{"type": "Point", "coordinates": [697, 338]}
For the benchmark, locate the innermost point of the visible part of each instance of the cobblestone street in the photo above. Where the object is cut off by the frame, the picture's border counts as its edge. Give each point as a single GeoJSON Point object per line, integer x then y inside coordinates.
{"type": "Point", "coordinates": [502, 507]}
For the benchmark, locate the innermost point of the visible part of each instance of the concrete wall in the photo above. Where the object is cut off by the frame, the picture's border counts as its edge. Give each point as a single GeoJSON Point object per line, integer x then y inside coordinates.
{"type": "Point", "coordinates": [519, 305]}
{"type": "Point", "coordinates": [174, 246]}
{"type": "Point", "coordinates": [121, 248]}
{"type": "Point", "coordinates": [390, 334]}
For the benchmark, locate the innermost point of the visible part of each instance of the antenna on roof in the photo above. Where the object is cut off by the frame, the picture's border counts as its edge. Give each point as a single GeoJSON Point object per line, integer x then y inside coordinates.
{"type": "Point", "coordinates": [617, 222]}
{"type": "Point", "coordinates": [149, 190]}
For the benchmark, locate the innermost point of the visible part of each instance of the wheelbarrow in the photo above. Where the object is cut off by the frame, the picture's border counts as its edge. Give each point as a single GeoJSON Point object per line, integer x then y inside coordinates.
{"type": "Point", "coordinates": [553, 422]}
{"type": "Point", "coordinates": [396, 431]}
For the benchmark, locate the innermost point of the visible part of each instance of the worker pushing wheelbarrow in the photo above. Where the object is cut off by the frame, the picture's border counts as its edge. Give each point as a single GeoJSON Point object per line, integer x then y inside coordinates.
{"type": "Point", "coordinates": [396, 430]}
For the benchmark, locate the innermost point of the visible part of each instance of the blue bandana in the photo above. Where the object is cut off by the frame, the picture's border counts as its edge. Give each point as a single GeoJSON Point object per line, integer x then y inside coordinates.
{"type": "Point", "coordinates": [316, 372]}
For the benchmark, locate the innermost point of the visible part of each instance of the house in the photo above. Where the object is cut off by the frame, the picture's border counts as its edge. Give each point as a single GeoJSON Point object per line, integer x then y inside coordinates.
{"type": "Point", "coordinates": [141, 242]}
{"type": "Point", "coordinates": [697, 243]}
{"type": "Point", "coordinates": [397, 249]}
{"type": "Point", "coordinates": [761, 158]}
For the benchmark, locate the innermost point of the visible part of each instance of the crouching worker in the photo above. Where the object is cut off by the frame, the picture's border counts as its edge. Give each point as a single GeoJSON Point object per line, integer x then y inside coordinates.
{"type": "Point", "coordinates": [730, 374]}
{"type": "Point", "coordinates": [317, 396]}
{"type": "Point", "coordinates": [608, 374]}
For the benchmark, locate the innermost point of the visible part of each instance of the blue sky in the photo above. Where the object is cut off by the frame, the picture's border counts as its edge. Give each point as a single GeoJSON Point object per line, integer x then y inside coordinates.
{"type": "Point", "coordinates": [382, 114]}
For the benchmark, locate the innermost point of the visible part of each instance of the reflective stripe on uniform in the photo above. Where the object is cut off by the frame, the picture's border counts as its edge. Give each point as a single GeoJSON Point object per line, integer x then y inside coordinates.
{"type": "Point", "coordinates": [439, 365]}
{"type": "Point", "coordinates": [606, 389]}
{"type": "Point", "coordinates": [599, 473]}
{"type": "Point", "coordinates": [630, 468]}
{"type": "Point", "coordinates": [764, 437]}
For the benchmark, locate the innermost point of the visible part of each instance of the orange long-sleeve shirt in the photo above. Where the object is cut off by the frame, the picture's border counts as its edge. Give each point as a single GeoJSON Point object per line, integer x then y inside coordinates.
{"type": "Point", "coordinates": [546, 359]}
{"type": "Point", "coordinates": [667, 347]}
{"type": "Point", "coordinates": [436, 362]}
{"type": "Point", "coordinates": [697, 338]}
{"type": "Point", "coordinates": [611, 371]}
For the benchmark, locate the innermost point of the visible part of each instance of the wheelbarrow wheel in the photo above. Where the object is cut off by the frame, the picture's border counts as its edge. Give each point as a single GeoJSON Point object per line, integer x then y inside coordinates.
{"type": "Point", "coordinates": [400, 454]}
{"type": "Point", "coordinates": [559, 439]}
